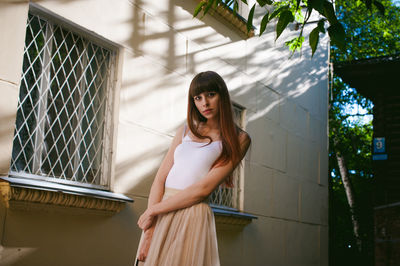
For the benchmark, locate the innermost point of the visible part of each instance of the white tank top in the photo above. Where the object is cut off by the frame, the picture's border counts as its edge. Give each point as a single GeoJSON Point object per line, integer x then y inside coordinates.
{"type": "Point", "coordinates": [192, 161]}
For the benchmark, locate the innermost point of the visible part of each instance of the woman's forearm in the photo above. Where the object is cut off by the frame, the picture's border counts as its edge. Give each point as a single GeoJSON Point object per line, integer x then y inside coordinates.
{"type": "Point", "coordinates": [156, 193]}
{"type": "Point", "coordinates": [200, 190]}
{"type": "Point", "coordinates": [194, 193]}
{"type": "Point", "coordinates": [155, 196]}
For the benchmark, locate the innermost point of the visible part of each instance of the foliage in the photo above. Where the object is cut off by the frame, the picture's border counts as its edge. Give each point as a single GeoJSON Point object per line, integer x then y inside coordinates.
{"type": "Point", "coordinates": [298, 11]}
{"type": "Point", "coordinates": [369, 33]}
{"type": "Point", "coordinates": [354, 139]}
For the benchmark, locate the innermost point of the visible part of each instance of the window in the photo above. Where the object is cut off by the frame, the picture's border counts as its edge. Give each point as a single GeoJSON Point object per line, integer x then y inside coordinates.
{"type": "Point", "coordinates": [242, 8]}
{"type": "Point", "coordinates": [230, 197]}
{"type": "Point", "coordinates": [63, 130]}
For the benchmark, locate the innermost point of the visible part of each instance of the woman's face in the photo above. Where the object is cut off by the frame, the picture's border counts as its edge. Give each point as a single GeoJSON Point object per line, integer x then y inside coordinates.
{"type": "Point", "coordinates": [208, 104]}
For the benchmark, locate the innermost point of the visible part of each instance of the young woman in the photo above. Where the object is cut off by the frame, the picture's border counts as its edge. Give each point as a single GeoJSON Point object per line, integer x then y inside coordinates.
{"type": "Point", "coordinates": [178, 225]}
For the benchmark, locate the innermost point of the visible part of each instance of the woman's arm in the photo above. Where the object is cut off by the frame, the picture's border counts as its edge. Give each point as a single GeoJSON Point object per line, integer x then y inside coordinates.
{"type": "Point", "coordinates": [194, 193]}
{"type": "Point", "coordinates": [157, 188]}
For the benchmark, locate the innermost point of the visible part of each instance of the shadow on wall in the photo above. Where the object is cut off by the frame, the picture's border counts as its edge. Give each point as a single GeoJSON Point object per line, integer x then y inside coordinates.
{"type": "Point", "coordinates": [7, 122]}
{"type": "Point", "coordinates": [68, 234]}
{"type": "Point", "coordinates": [265, 64]}
{"type": "Point", "coordinates": [265, 68]}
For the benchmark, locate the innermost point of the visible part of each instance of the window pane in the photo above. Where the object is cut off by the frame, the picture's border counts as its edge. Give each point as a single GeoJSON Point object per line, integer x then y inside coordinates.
{"type": "Point", "coordinates": [62, 114]}
{"type": "Point", "coordinates": [26, 120]}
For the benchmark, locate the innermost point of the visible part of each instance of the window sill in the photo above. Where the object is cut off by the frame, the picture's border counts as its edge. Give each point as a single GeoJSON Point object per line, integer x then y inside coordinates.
{"type": "Point", "coordinates": [235, 20]}
{"type": "Point", "coordinates": [14, 191]}
{"type": "Point", "coordinates": [230, 216]}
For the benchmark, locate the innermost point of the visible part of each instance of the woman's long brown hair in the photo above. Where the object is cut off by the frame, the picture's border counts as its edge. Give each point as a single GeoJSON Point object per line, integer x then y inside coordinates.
{"type": "Point", "coordinates": [210, 81]}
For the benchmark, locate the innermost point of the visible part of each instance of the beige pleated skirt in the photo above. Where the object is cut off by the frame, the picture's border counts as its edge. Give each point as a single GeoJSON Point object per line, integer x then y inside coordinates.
{"type": "Point", "coordinates": [185, 237]}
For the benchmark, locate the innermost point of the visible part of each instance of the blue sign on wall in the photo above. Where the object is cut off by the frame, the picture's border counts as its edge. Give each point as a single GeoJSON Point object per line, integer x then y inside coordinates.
{"type": "Point", "coordinates": [379, 145]}
{"type": "Point", "coordinates": [379, 149]}
{"type": "Point", "coordinates": [376, 157]}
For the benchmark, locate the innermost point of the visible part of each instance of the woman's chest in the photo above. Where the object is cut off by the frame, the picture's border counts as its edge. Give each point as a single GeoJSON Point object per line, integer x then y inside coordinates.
{"type": "Point", "coordinates": [197, 152]}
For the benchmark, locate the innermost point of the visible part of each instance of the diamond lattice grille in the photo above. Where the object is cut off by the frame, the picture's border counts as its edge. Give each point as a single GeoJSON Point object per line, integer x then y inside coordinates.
{"type": "Point", "coordinates": [63, 105]}
{"type": "Point", "coordinates": [225, 196]}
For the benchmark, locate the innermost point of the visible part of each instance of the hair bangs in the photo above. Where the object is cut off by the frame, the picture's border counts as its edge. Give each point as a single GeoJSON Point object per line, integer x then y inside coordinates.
{"type": "Point", "coordinates": [201, 84]}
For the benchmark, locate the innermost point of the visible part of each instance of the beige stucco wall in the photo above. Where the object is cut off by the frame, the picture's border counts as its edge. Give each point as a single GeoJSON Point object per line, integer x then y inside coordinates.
{"type": "Point", "coordinates": [161, 49]}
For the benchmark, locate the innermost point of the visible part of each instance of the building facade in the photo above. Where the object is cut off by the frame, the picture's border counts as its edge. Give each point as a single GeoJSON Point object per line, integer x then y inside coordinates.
{"type": "Point", "coordinates": [92, 93]}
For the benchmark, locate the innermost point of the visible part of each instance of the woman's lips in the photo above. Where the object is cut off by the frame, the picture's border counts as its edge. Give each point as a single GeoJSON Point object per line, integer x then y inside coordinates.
{"type": "Point", "coordinates": [207, 111]}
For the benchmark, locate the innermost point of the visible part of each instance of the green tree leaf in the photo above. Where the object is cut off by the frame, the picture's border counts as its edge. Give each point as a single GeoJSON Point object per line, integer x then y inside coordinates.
{"type": "Point", "coordinates": [329, 13]}
{"type": "Point", "coordinates": [338, 35]}
{"type": "Point", "coordinates": [250, 18]}
{"type": "Point", "coordinates": [313, 40]}
{"type": "Point", "coordinates": [199, 7]}
{"type": "Point", "coordinates": [235, 7]}
{"type": "Point", "coordinates": [277, 11]}
{"type": "Point", "coordinates": [264, 2]}
{"type": "Point", "coordinates": [295, 43]}
{"type": "Point", "coordinates": [264, 23]}
{"type": "Point", "coordinates": [285, 18]}
{"type": "Point", "coordinates": [321, 25]}
{"type": "Point", "coordinates": [297, 4]}
{"type": "Point", "coordinates": [208, 6]}
{"type": "Point", "coordinates": [317, 5]}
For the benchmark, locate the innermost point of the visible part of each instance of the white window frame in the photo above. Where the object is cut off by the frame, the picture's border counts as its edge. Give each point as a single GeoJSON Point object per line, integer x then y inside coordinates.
{"type": "Point", "coordinates": [108, 88]}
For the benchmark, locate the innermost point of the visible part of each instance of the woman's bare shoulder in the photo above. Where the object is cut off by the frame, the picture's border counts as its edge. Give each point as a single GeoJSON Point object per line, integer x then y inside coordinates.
{"type": "Point", "coordinates": [244, 140]}
{"type": "Point", "coordinates": [181, 129]}
{"type": "Point", "coordinates": [178, 135]}
{"type": "Point", "coordinates": [243, 136]}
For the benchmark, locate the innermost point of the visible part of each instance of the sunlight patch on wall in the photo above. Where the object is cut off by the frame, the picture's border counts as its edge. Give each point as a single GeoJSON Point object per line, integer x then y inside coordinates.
{"type": "Point", "coordinates": [11, 255]}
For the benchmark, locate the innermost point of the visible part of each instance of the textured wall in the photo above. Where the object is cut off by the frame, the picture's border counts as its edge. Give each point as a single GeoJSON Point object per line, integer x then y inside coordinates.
{"type": "Point", "coordinates": [161, 48]}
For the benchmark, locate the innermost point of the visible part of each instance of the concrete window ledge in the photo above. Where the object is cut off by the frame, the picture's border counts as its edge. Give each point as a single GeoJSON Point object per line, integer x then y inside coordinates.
{"type": "Point", "coordinates": [234, 20]}
{"type": "Point", "coordinates": [232, 216]}
{"type": "Point", "coordinates": [16, 191]}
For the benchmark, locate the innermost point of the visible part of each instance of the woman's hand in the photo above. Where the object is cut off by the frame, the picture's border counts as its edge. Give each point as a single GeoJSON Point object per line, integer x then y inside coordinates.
{"type": "Point", "coordinates": [146, 219]}
{"type": "Point", "coordinates": [145, 244]}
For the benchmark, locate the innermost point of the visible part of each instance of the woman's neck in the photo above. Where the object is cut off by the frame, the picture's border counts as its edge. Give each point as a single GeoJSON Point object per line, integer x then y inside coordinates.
{"type": "Point", "coordinates": [212, 124]}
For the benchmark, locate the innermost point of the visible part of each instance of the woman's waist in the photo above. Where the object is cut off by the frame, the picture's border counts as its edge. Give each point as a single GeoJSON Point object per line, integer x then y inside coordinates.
{"type": "Point", "coordinates": [182, 181]}
{"type": "Point", "coordinates": [170, 191]}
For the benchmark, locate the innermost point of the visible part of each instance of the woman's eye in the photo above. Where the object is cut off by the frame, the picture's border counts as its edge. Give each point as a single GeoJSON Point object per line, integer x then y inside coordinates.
{"type": "Point", "coordinates": [196, 98]}
{"type": "Point", "coordinates": [211, 94]}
